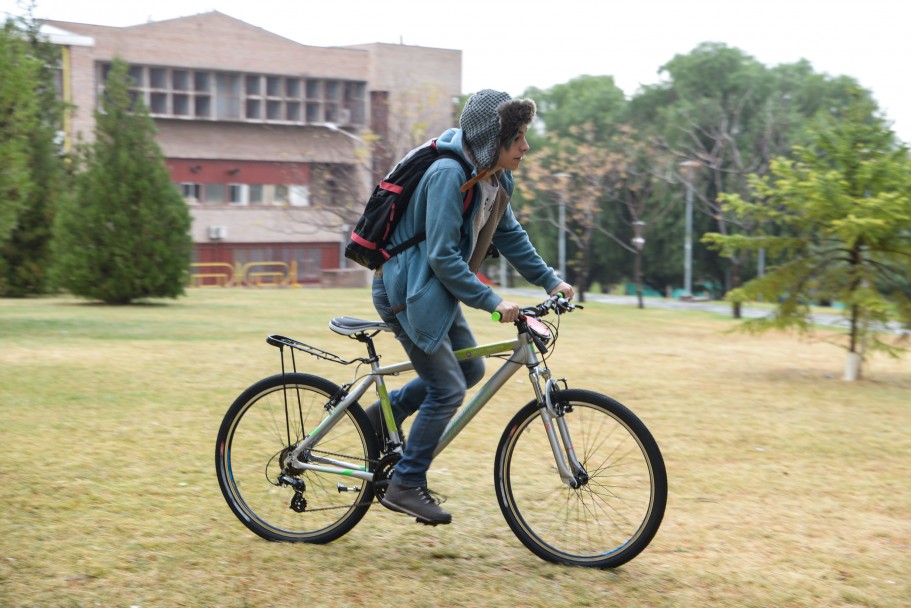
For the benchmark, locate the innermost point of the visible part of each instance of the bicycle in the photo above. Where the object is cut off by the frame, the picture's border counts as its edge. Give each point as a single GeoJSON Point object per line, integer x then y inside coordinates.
{"type": "Point", "coordinates": [579, 478]}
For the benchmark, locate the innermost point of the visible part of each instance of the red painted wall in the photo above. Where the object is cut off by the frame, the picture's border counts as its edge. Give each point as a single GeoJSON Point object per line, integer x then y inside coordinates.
{"type": "Point", "coordinates": [237, 172]}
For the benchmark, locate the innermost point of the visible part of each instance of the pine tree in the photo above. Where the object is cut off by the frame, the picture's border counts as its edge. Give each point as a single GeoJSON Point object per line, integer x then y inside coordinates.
{"type": "Point", "coordinates": [125, 236]}
{"type": "Point", "coordinates": [30, 153]}
{"type": "Point", "coordinates": [837, 223]}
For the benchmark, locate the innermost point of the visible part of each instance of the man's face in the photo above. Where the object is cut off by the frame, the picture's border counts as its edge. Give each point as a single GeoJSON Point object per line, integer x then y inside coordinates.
{"type": "Point", "coordinates": [511, 157]}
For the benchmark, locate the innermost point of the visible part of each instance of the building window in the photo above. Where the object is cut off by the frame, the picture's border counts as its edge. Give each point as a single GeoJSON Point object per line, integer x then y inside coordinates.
{"type": "Point", "coordinates": [227, 96]}
{"type": "Point", "coordinates": [214, 194]}
{"type": "Point", "coordinates": [299, 196]}
{"type": "Point", "coordinates": [238, 194]}
{"type": "Point", "coordinates": [180, 80]}
{"type": "Point", "coordinates": [255, 194]}
{"type": "Point", "coordinates": [192, 193]}
{"type": "Point", "coordinates": [234, 96]}
{"type": "Point", "coordinates": [280, 195]}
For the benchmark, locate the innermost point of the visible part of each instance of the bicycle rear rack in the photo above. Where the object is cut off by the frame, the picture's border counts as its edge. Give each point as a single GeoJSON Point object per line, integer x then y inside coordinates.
{"type": "Point", "coordinates": [281, 342]}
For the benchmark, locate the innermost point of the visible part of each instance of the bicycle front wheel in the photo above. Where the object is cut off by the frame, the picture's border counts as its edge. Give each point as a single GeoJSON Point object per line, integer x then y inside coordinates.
{"type": "Point", "coordinates": [279, 502]}
{"type": "Point", "coordinates": [617, 508]}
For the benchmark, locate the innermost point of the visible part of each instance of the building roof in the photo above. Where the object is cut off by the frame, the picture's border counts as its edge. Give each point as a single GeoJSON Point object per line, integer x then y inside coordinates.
{"type": "Point", "coordinates": [214, 40]}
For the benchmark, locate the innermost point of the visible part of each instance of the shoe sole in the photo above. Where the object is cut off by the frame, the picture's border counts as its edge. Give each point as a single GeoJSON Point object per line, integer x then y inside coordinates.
{"type": "Point", "coordinates": [417, 518]}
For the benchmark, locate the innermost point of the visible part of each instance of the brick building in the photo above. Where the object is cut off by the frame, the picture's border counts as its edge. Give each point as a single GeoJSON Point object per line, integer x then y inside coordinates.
{"type": "Point", "coordinates": [273, 144]}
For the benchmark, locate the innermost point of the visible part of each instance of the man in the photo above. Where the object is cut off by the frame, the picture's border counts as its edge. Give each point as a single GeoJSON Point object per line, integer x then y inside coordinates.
{"type": "Point", "coordinates": [418, 292]}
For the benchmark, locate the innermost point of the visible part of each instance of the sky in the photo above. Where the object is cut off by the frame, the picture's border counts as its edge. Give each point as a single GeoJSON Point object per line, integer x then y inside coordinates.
{"type": "Point", "coordinates": [511, 45]}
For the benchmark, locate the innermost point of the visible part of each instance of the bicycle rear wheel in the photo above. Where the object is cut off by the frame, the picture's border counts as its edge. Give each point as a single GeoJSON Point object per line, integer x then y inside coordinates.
{"type": "Point", "coordinates": [615, 512]}
{"type": "Point", "coordinates": [277, 503]}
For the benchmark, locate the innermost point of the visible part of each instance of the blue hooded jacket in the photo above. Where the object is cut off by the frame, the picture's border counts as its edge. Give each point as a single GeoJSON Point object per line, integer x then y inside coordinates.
{"type": "Point", "coordinates": [425, 283]}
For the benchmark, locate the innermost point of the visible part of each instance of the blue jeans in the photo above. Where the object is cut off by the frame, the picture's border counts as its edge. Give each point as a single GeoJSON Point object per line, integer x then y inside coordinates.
{"type": "Point", "coordinates": [435, 394]}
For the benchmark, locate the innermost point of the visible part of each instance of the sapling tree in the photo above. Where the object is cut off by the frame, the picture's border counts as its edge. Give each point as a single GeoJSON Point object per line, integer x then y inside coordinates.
{"type": "Point", "coordinates": [835, 220]}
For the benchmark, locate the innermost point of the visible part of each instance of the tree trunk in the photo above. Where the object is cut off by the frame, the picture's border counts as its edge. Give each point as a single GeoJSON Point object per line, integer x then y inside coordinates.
{"type": "Point", "coordinates": [855, 358]}
{"type": "Point", "coordinates": [853, 367]}
{"type": "Point", "coordinates": [736, 310]}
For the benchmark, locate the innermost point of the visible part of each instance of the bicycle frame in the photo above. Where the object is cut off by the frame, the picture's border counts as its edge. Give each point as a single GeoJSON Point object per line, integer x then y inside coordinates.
{"type": "Point", "coordinates": [523, 354]}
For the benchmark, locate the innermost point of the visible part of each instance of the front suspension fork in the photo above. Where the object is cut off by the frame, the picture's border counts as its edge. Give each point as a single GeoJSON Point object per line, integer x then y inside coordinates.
{"type": "Point", "coordinates": [552, 414]}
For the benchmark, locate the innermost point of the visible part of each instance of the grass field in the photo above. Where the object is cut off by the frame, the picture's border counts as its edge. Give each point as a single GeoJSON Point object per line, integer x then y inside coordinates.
{"type": "Point", "coordinates": [788, 486]}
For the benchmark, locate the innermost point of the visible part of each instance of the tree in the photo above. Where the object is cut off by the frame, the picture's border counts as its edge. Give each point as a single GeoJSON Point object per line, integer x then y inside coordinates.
{"type": "Point", "coordinates": [563, 174]}
{"type": "Point", "coordinates": [837, 222]}
{"type": "Point", "coordinates": [125, 235]}
{"type": "Point", "coordinates": [33, 177]}
{"type": "Point", "coordinates": [18, 113]}
{"type": "Point", "coordinates": [596, 190]}
{"type": "Point", "coordinates": [728, 114]}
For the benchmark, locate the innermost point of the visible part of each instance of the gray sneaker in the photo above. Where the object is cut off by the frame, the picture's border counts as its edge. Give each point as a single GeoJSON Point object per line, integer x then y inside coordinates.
{"type": "Point", "coordinates": [417, 502]}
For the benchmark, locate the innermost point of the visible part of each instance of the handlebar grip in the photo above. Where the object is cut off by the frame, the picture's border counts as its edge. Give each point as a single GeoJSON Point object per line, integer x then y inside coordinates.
{"type": "Point", "coordinates": [496, 316]}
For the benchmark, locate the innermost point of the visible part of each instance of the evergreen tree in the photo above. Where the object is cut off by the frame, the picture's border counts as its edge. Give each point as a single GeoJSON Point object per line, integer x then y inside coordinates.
{"type": "Point", "coordinates": [30, 156]}
{"type": "Point", "coordinates": [125, 235]}
{"type": "Point", "coordinates": [836, 222]}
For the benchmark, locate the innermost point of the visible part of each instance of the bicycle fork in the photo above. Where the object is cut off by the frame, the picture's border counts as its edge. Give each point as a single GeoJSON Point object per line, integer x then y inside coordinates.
{"type": "Point", "coordinates": [552, 413]}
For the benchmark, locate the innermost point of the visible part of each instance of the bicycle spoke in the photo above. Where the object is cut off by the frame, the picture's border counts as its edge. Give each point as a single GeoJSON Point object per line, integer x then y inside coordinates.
{"type": "Point", "coordinates": [265, 496]}
{"type": "Point", "coordinates": [608, 519]}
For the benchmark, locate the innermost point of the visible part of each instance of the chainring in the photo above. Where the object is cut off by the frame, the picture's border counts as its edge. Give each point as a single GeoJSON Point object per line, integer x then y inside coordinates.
{"type": "Point", "coordinates": [383, 472]}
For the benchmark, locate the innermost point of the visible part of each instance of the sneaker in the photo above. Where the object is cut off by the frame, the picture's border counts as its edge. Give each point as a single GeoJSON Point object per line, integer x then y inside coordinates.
{"type": "Point", "coordinates": [417, 502]}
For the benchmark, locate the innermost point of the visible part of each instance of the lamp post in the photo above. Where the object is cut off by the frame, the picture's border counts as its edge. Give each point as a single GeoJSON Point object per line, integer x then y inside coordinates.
{"type": "Point", "coordinates": [638, 242]}
{"type": "Point", "coordinates": [688, 167]}
{"type": "Point", "coordinates": [561, 225]}
{"type": "Point", "coordinates": [342, 262]}
{"type": "Point", "coordinates": [336, 129]}
{"type": "Point", "coordinates": [345, 228]}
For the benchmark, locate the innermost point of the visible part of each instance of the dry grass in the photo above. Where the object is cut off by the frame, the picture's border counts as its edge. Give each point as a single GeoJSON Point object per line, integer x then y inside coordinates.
{"type": "Point", "coordinates": [788, 487]}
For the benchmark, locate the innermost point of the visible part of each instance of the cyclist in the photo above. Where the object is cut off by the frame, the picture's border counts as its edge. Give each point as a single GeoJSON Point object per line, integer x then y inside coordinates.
{"type": "Point", "coordinates": [418, 292]}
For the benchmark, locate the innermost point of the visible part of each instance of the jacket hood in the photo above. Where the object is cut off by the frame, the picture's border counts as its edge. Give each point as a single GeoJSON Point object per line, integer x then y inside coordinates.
{"type": "Point", "coordinates": [490, 120]}
{"type": "Point", "coordinates": [451, 140]}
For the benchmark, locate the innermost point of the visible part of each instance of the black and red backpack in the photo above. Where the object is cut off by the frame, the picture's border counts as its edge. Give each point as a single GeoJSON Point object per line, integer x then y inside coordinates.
{"type": "Point", "coordinates": [369, 241]}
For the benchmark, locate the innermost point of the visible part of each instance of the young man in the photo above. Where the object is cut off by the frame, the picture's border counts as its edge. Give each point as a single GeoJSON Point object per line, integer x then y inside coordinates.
{"type": "Point", "coordinates": [418, 292]}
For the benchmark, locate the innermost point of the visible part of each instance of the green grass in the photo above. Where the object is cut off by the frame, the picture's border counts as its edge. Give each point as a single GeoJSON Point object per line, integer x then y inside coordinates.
{"type": "Point", "coordinates": [788, 486]}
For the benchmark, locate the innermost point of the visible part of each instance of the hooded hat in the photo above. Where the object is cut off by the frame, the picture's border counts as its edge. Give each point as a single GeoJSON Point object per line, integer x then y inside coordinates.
{"type": "Point", "coordinates": [490, 121]}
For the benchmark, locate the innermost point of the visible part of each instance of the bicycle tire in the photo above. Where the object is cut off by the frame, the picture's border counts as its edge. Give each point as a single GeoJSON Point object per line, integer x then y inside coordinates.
{"type": "Point", "coordinates": [253, 434]}
{"type": "Point", "coordinates": [609, 519]}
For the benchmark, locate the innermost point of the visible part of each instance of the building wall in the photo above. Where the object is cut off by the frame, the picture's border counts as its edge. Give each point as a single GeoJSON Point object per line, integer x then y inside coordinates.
{"type": "Point", "coordinates": [422, 84]}
{"type": "Point", "coordinates": [405, 86]}
{"type": "Point", "coordinates": [209, 40]}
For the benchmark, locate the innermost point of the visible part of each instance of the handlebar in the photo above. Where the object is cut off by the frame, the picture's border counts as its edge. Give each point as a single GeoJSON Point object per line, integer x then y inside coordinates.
{"type": "Point", "coordinates": [556, 303]}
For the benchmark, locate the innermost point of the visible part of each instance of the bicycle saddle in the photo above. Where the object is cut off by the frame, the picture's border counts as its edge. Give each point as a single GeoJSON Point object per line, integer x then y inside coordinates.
{"type": "Point", "coordinates": [348, 326]}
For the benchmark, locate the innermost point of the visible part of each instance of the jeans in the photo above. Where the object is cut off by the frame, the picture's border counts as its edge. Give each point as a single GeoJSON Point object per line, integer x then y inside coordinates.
{"type": "Point", "coordinates": [435, 394]}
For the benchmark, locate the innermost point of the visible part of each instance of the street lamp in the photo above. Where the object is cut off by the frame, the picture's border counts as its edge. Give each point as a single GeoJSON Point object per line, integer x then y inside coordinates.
{"type": "Point", "coordinates": [561, 225]}
{"type": "Point", "coordinates": [638, 242]}
{"type": "Point", "coordinates": [688, 166]}
{"type": "Point", "coordinates": [638, 239]}
{"type": "Point", "coordinates": [345, 228]}
{"type": "Point", "coordinates": [335, 128]}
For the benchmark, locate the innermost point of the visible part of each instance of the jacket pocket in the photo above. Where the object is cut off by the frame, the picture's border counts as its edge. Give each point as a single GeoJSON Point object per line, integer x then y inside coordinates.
{"type": "Point", "coordinates": [430, 312]}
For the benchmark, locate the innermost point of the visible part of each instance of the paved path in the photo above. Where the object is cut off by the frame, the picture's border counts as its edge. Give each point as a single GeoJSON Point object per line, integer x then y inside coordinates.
{"type": "Point", "coordinates": [828, 319]}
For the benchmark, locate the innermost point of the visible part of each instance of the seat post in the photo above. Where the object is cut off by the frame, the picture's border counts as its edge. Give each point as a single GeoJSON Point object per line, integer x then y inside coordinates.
{"type": "Point", "coordinates": [367, 339]}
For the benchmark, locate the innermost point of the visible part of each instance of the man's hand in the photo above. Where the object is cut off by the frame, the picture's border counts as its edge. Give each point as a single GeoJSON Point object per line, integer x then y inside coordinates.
{"type": "Point", "coordinates": [566, 289]}
{"type": "Point", "coordinates": [509, 311]}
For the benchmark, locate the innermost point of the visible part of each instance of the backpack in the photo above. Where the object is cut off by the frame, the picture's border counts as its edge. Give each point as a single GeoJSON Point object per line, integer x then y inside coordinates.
{"type": "Point", "coordinates": [387, 205]}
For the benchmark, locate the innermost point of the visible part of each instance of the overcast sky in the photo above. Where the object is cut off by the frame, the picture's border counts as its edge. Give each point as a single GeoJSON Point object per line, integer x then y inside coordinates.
{"type": "Point", "coordinates": [511, 44]}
